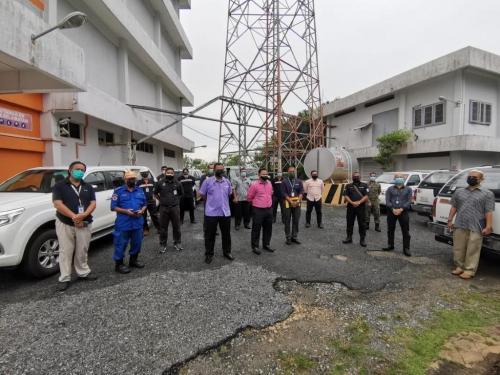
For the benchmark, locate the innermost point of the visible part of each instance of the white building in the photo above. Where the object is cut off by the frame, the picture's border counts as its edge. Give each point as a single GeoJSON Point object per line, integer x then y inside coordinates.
{"type": "Point", "coordinates": [449, 104]}
{"type": "Point", "coordinates": [129, 52]}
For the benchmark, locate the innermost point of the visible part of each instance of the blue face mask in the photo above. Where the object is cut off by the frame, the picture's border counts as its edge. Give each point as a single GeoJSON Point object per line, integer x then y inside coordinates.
{"type": "Point", "coordinates": [77, 174]}
{"type": "Point", "coordinates": [373, 178]}
{"type": "Point", "coordinates": [399, 181]}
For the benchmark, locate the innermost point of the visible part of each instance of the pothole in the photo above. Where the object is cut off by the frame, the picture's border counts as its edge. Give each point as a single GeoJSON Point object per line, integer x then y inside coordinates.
{"type": "Point", "coordinates": [394, 255]}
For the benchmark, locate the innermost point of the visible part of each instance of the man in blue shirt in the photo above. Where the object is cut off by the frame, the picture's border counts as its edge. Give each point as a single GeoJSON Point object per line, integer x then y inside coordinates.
{"type": "Point", "coordinates": [398, 203]}
{"type": "Point", "coordinates": [129, 203]}
{"type": "Point", "coordinates": [292, 190]}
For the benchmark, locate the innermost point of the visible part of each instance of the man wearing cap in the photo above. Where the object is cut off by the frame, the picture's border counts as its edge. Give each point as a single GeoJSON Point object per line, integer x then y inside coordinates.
{"type": "Point", "coordinates": [129, 203]}
{"type": "Point", "coordinates": [147, 185]}
{"type": "Point", "coordinates": [187, 200]}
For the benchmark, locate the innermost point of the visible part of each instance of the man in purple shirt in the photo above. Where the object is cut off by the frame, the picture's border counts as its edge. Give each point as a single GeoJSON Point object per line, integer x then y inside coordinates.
{"type": "Point", "coordinates": [216, 191]}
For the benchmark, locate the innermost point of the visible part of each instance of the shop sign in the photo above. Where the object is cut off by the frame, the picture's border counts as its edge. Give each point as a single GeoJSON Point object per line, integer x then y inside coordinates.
{"type": "Point", "coordinates": [15, 120]}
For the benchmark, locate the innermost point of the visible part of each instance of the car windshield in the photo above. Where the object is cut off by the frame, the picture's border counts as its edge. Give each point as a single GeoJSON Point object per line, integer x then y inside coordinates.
{"type": "Point", "coordinates": [388, 178]}
{"type": "Point", "coordinates": [491, 181]}
{"type": "Point", "coordinates": [34, 181]}
{"type": "Point", "coordinates": [437, 179]}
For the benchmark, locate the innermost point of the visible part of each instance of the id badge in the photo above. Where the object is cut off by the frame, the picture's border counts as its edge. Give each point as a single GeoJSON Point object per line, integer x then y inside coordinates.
{"type": "Point", "coordinates": [80, 209]}
{"type": "Point", "coordinates": [147, 190]}
{"type": "Point", "coordinates": [293, 194]}
{"type": "Point", "coordinates": [175, 192]}
{"type": "Point", "coordinates": [397, 202]}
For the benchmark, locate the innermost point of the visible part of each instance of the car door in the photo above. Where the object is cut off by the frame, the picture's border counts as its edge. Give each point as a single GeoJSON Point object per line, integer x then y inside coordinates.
{"type": "Point", "coordinates": [98, 182]}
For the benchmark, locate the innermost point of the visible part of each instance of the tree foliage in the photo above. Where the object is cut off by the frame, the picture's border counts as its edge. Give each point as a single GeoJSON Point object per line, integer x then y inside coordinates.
{"type": "Point", "coordinates": [388, 146]}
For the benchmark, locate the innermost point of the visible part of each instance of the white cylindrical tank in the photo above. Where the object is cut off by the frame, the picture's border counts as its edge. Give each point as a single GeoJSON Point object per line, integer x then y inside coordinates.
{"type": "Point", "coordinates": [334, 163]}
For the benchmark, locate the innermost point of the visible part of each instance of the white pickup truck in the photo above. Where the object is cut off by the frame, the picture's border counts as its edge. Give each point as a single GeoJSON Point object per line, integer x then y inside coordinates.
{"type": "Point", "coordinates": [441, 207]}
{"type": "Point", "coordinates": [27, 216]}
{"type": "Point", "coordinates": [386, 179]}
{"type": "Point", "coordinates": [428, 189]}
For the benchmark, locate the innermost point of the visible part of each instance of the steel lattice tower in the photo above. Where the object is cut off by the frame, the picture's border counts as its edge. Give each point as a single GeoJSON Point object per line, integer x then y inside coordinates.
{"type": "Point", "coordinates": [271, 71]}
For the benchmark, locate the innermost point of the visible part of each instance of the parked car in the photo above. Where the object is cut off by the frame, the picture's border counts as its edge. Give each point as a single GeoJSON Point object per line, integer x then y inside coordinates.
{"type": "Point", "coordinates": [441, 207]}
{"type": "Point", "coordinates": [386, 179]}
{"type": "Point", "coordinates": [27, 215]}
{"type": "Point", "coordinates": [428, 189]}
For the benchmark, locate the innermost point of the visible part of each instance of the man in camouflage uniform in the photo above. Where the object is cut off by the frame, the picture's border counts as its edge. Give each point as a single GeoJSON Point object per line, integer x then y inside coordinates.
{"type": "Point", "coordinates": [373, 206]}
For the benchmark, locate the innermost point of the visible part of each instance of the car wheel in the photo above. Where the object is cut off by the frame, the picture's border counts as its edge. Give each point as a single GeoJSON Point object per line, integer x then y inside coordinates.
{"type": "Point", "coordinates": [42, 258]}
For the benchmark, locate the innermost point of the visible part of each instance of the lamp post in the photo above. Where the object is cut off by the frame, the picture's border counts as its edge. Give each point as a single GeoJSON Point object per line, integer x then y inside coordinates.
{"type": "Point", "coordinates": [202, 146]}
{"type": "Point", "coordinates": [72, 20]}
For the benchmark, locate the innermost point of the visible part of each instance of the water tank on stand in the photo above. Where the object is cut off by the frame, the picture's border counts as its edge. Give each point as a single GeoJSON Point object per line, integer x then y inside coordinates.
{"type": "Point", "coordinates": [334, 164]}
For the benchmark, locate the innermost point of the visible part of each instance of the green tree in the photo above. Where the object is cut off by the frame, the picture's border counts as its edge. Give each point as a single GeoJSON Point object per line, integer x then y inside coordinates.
{"type": "Point", "coordinates": [388, 145]}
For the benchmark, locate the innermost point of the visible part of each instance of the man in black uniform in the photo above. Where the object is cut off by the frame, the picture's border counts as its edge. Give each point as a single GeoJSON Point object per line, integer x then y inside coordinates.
{"type": "Point", "coordinates": [187, 200]}
{"type": "Point", "coordinates": [147, 185]}
{"type": "Point", "coordinates": [168, 191]}
{"type": "Point", "coordinates": [356, 195]}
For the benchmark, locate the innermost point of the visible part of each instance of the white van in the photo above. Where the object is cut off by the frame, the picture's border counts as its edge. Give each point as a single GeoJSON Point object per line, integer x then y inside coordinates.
{"type": "Point", "coordinates": [27, 215]}
{"type": "Point", "coordinates": [428, 189]}
{"type": "Point", "coordinates": [441, 207]}
{"type": "Point", "coordinates": [386, 179]}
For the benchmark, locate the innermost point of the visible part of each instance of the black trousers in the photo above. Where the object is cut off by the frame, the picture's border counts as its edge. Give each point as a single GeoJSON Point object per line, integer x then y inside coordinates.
{"type": "Point", "coordinates": [317, 206]}
{"type": "Point", "coordinates": [153, 212]}
{"type": "Point", "coordinates": [404, 223]}
{"type": "Point", "coordinates": [262, 218]}
{"type": "Point", "coordinates": [187, 204]}
{"type": "Point", "coordinates": [211, 223]}
{"type": "Point", "coordinates": [353, 214]}
{"type": "Point", "coordinates": [167, 215]}
{"type": "Point", "coordinates": [292, 214]}
{"type": "Point", "coordinates": [242, 211]}
{"type": "Point", "coordinates": [278, 202]}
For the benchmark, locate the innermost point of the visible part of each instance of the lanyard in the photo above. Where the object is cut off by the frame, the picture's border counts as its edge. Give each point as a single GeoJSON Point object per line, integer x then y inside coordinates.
{"type": "Point", "coordinates": [77, 192]}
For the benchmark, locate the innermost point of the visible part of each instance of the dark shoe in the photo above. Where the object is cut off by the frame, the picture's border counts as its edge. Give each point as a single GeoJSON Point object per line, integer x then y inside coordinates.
{"type": "Point", "coordinates": [63, 286]}
{"type": "Point", "coordinates": [89, 277]}
{"type": "Point", "coordinates": [248, 227]}
{"type": "Point", "coordinates": [256, 250]}
{"type": "Point", "coordinates": [288, 241]}
{"type": "Point", "coordinates": [267, 248]}
{"type": "Point", "coordinates": [194, 222]}
{"type": "Point", "coordinates": [229, 256]}
{"type": "Point", "coordinates": [407, 252]}
{"type": "Point", "coordinates": [347, 240]}
{"type": "Point", "coordinates": [163, 249]}
{"type": "Point", "coordinates": [320, 226]}
{"type": "Point", "coordinates": [308, 225]}
{"type": "Point", "coordinates": [135, 263]}
{"type": "Point", "coordinates": [178, 247]}
{"type": "Point", "coordinates": [377, 228]}
{"type": "Point", "coordinates": [362, 242]}
{"type": "Point", "coordinates": [208, 259]}
{"type": "Point", "coordinates": [237, 227]}
{"type": "Point", "coordinates": [388, 248]}
{"type": "Point", "coordinates": [367, 226]}
{"type": "Point", "coordinates": [121, 268]}
{"type": "Point", "coordinates": [294, 240]}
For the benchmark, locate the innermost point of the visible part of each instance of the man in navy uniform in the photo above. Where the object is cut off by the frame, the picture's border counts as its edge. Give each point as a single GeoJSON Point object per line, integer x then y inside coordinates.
{"type": "Point", "coordinates": [147, 185]}
{"type": "Point", "coordinates": [187, 200]}
{"type": "Point", "coordinates": [356, 195]}
{"type": "Point", "coordinates": [129, 203]}
{"type": "Point", "coordinates": [292, 190]}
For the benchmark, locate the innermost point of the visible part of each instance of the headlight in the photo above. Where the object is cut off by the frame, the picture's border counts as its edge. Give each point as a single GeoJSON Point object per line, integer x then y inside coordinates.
{"type": "Point", "coordinates": [8, 217]}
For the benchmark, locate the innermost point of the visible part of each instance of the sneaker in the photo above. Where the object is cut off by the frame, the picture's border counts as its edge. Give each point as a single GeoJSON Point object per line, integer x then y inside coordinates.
{"type": "Point", "coordinates": [178, 247]}
{"type": "Point", "coordinates": [163, 249]}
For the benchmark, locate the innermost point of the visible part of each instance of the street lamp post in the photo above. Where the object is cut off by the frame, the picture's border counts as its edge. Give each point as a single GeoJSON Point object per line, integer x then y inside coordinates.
{"type": "Point", "coordinates": [202, 146]}
{"type": "Point", "coordinates": [72, 20]}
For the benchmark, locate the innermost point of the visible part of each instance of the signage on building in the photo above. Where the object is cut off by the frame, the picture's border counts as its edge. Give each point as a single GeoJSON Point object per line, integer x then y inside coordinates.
{"type": "Point", "coordinates": [15, 120]}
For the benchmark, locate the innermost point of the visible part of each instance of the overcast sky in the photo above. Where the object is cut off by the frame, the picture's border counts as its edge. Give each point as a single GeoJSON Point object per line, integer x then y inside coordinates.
{"type": "Point", "coordinates": [360, 42]}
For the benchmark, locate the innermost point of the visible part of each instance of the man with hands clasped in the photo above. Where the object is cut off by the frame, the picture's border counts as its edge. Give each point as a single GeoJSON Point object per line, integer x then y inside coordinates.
{"type": "Point", "coordinates": [356, 196]}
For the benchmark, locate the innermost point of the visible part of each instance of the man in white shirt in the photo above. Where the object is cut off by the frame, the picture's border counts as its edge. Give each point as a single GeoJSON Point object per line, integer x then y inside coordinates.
{"type": "Point", "coordinates": [314, 191]}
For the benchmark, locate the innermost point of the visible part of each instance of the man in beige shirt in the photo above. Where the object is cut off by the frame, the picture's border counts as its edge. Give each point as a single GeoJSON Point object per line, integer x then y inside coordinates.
{"type": "Point", "coordinates": [314, 189]}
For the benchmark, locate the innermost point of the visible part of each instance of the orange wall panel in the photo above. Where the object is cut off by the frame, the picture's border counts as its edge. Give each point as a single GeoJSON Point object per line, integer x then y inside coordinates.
{"type": "Point", "coordinates": [15, 161]}
{"type": "Point", "coordinates": [31, 101]}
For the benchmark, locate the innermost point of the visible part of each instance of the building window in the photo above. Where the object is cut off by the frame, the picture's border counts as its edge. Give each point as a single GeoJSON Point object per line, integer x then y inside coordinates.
{"type": "Point", "coordinates": [480, 113]}
{"type": "Point", "coordinates": [70, 130]}
{"type": "Point", "coordinates": [433, 114]}
{"type": "Point", "coordinates": [168, 153]}
{"type": "Point", "coordinates": [144, 147]}
{"type": "Point", "coordinates": [105, 138]}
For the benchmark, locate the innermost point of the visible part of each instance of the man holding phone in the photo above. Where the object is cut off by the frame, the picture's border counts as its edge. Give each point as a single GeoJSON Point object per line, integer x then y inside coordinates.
{"type": "Point", "coordinates": [129, 203]}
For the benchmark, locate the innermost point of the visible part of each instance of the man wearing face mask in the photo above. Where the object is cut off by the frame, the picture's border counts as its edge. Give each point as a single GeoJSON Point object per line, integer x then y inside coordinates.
{"type": "Point", "coordinates": [278, 196]}
{"type": "Point", "coordinates": [473, 207]}
{"type": "Point", "coordinates": [398, 203]}
{"type": "Point", "coordinates": [187, 200]}
{"type": "Point", "coordinates": [292, 190]}
{"type": "Point", "coordinates": [314, 191]}
{"type": "Point", "coordinates": [356, 195]}
{"type": "Point", "coordinates": [241, 205]}
{"type": "Point", "coordinates": [147, 185]}
{"type": "Point", "coordinates": [168, 191]}
{"type": "Point", "coordinates": [129, 203]}
{"type": "Point", "coordinates": [260, 195]}
{"type": "Point", "coordinates": [373, 204]}
{"type": "Point", "coordinates": [74, 201]}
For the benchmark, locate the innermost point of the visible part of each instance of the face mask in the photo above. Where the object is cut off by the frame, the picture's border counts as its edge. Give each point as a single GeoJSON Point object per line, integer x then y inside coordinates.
{"type": "Point", "coordinates": [169, 176]}
{"type": "Point", "coordinates": [314, 177]}
{"type": "Point", "coordinates": [243, 174]}
{"type": "Point", "coordinates": [186, 175]}
{"type": "Point", "coordinates": [372, 178]}
{"type": "Point", "coordinates": [219, 172]}
{"type": "Point", "coordinates": [356, 178]}
{"type": "Point", "coordinates": [399, 181]}
{"type": "Point", "coordinates": [77, 174]}
{"type": "Point", "coordinates": [210, 172]}
{"type": "Point", "coordinates": [280, 175]}
{"type": "Point", "coordinates": [264, 178]}
{"type": "Point", "coordinates": [130, 183]}
{"type": "Point", "coordinates": [472, 181]}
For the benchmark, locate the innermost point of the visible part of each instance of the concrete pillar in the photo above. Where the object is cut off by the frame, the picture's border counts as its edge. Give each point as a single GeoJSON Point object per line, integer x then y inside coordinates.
{"type": "Point", "coordinates": [123, 73]}
{"type": "Point", "coordinates": [457, 113]}
{"type": "Point", "coordinates": [159, 99]}
{"type": "Point", "coordinates": [49, 131]}
{"type": "Point", "coordinates": [402, 113]}
{"type": "Point", "coordinates": [157, 30]}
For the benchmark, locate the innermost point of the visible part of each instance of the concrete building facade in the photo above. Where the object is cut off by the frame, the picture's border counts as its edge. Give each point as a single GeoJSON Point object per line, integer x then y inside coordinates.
{"type": "Point", "coordinates": [449, 104]}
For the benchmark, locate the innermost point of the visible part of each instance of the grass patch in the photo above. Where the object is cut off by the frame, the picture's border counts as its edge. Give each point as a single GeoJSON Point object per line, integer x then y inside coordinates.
{"type": "Point", "coordinates": [293, 363]}
{"type": "Point", "coordinates": [424, 344]}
